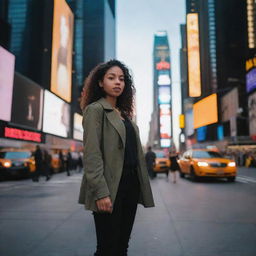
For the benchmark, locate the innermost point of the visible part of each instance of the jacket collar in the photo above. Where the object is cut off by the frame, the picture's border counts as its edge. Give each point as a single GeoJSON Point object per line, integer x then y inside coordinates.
{"type": "Point", "coordinates": [105, 104]}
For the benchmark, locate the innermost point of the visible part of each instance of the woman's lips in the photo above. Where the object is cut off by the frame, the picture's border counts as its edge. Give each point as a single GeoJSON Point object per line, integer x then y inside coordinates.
{"type": "Point", "coordinates": [117, 89]}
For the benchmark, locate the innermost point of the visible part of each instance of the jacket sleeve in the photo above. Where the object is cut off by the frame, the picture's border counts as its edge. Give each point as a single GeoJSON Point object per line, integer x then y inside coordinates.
{"type": "Point", "coordinates": [93, 159]}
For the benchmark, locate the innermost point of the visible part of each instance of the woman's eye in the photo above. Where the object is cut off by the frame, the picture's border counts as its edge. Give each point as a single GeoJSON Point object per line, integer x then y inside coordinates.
{"type": "Point", "coordinates": [121, 79]}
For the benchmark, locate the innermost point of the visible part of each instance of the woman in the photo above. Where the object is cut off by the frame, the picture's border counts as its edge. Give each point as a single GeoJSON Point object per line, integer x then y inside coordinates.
{"type": "Point", "coordinates": [174, 164]}
{"type": "Point", "coordinates": [115, 175]}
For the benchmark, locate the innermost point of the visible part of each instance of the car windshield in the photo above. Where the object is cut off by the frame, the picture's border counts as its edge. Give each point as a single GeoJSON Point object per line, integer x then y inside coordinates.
{"type": "Point", "coordinates": [206, 154]}
{"type": "Point", "coordinates": [14, 155]}
{"type": "Point", "coordinates": [160, 154]}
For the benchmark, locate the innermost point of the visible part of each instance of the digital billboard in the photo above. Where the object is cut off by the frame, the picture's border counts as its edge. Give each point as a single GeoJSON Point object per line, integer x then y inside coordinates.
{"type": "Point", "coordinates": [56, 117]}
{"type": "Point", "coordinates": [165, 121]}
{"type": "Point", "coordinates": [7, 61]}
{"type": "Point", "coordinates": [229, 105]}
{"type": "Point", "coordinates": [252, 113]}
{"type": "Point", "coordinates": [205, 111]}
{"type": "Point", "coordinates": [194, 74]}
{"type": "Point", "coordinates": [251, 80]}
{"type": "Point", "coordinates": [62, 46]}
{"type": "Point", "coordinates": [78, 128]}
{"type": "Point", "coordinates": [164, 95]}
{"type": "Point", "coordinates": [164, 79]}
{"type": "Point", "coordinates": [189, 122]}
{"type": "Point", "coordinates": [27, 103]}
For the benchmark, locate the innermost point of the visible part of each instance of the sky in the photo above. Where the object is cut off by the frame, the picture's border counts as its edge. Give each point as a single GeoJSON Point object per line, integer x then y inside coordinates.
{"type": "Point", "coordinates": [137, 22]}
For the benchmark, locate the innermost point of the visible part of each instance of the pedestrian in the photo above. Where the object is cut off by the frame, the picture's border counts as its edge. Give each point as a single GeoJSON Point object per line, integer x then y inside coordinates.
{"type": "Point", "coordinates": [46, 164]}
{"type": "Point", "coordinates": [69, 163]}
{"type": "Point", "coordinates": [38, 162]}
{"type": "Point", "coordinates": [115, 176]}
{"type": "Point", "coordinates": [150, 161]}
{"type": "Point", "coordinates": [174, 167]}
{"type": "Point", "coordinates": [80, 161]}
{"type": "Point", "coordinates": [61, 161]}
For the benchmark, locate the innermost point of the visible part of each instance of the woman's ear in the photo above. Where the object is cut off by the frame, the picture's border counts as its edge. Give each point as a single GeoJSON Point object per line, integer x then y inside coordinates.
{"type": "Point", "coordinates": [100, 84]}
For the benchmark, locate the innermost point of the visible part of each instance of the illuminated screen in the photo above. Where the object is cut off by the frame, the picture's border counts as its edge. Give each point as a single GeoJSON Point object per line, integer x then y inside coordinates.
{"type": "Point", "coordinates": [62, 44]}
{"type": "Point", "coordinates": [163, 65]}
{"type": "Point", "coordinates": [194, 75]}
{"type": "Point", "coordinates": [27, 105]}
{"type": "Point", "coordinates": [164, 79]}
{"type": "Point", "coordinates": [205, 111]}
{"type": "Point", "coordinates": [251, 80]}
{"type": "Point", "coordinates": [164, 96]}
{"type": "Point", "coordinates": [252, 113]}
{"type": "Point", "coordinates": [201, 133]}
{"type": "Point", "coordinates": [56, 118]}
{"type": "Point", "coordinates": [165, 121]}
{"type": "Point", "coordinates": [6, 83]}
{"type": "Point", "coordinates": [165, 143]}
{"type": "Point", "coordinates": [78, 128]}
{"type": "Point", "coordinates": [229, 105]}
{"type": "Point", "coordinates": [189, 122]}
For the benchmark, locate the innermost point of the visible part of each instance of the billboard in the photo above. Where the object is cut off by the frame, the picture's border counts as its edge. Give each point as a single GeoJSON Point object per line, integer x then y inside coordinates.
{"type": "Point", "coordinates": [252, 113]}
{"type": "Point", "coordinates": [165, 121]}
{"type": "Point", "coordinates": [27, 103]}
{"type": "Point", "coordinates": [251, 80]}
{"type": "Point", "coordinates": [78, 128]}
{"type": "Point", "coordinates": [205, 111]}
{"type": "Point", "coordinates": [7, 61]}
{"type": "Point", "coordinates": [229, 105]}
{"type": "Point", "coordinates": [194, 74]}
{"type": "Point", "coordinates": [62, 45]}
{"type": "Point", "coordinates": [189, 122]}
{"type": "Point", "coordinates": [164, 95]}
{"type": "Point", "coordinates": [56, 118]}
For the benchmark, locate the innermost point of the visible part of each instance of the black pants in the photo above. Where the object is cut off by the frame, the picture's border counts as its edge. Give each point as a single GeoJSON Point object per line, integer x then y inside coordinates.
{"type": "Point", "coordinates": [113, 230]}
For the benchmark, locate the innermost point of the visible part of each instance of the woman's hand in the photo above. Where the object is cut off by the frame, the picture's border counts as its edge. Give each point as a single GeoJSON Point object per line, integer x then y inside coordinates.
{"type": "Point", "coordinates": [104, 204]}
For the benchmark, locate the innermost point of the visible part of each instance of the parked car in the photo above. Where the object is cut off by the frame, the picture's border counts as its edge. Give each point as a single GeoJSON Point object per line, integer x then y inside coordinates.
{"type": "Point", "coordinates": [162, 164]}
{"type": "Point", "coordinates": [16, 163]}
{"type": "Point", "coordinates": [206, 163]}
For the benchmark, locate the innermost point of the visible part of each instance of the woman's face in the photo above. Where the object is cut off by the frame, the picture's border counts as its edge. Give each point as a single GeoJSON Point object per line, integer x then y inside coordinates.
{"type": "Point", "coordinates": [113, 82]}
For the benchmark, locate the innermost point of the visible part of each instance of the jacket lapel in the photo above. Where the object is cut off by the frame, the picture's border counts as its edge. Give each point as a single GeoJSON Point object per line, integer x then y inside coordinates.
{"type": "Point", "coordinates": [114, 119]}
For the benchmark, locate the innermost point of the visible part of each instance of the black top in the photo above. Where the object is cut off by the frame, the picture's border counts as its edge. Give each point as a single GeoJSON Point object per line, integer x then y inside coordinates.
{"type": "Point", "coordinates": [130, 153]}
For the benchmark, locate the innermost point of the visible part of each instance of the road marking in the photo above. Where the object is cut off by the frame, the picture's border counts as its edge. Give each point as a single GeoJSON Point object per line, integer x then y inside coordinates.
{"type": "Point", "coordinates": [246, 179]}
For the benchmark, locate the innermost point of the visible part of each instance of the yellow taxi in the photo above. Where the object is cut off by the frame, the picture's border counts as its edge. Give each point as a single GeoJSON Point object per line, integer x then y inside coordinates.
{"type": "Point", "coordinates": [16, 163]}
{"type": "Point", "coordinates": [206, 163]}
{"type": "Point", "coordinates": [162, 163]}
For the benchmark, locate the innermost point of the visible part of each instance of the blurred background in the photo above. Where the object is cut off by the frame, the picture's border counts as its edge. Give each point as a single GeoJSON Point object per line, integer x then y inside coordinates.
{"type": "Point", "coordinates": [193, 65]}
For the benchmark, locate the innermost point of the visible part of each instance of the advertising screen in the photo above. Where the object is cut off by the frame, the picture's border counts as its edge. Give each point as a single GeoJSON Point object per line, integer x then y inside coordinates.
{"type": "Point", "coordinates": [7, 61]}
{"type": "Point", "coordinates": [27, 103]}
{"type": "Point", "coordinates": [252, 113]}
{"type": "Point", "coordinates": [201, 133]}
{"type": "Point", "coordinates": [165, 121]}
{"type": "Point", "coordinates": [251, 80]}
{"type": "Point", "coordinates": [164, 95]}
{"type": "Point", "coordinates": [164, 79]}
{"type": "Point", "coordinates": [229, 105]}
{"type": "Point", "coordinates": [56, 118]}
{"type": "Point", "coordinates": [165, 143]}
{"type": "Point", "coordinates": [78, 128]}
{"type": "Point", "coordinates": [194, 74]}
{"type": "Point", "coordinates": [62, 45]}
{"type": "Point", "coordinates": [205, 111]}
{"type": "Point", "coordinates": [189, 121]}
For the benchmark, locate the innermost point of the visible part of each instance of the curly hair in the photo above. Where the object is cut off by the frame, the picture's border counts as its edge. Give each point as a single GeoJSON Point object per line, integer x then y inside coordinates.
{"type": "Point", "coordinates": [93, 92]}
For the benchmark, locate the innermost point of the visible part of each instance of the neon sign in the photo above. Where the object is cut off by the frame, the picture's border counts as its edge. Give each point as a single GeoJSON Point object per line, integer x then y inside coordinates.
{"type": "Point", "coordinates": [163, 65]}
{"type": "Point", "coordinates": [22, 134]}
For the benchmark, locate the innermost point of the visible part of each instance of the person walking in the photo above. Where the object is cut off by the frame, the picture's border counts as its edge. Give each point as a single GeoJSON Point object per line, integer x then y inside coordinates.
{"type": "Point", "coordinates": [174, 165]}
{"type": "Point", "coordinates": [115, 177]}
{"type": "Point", "coordinates": [38, 162]}
{"type": "Point", "coordinates": [69, 163]}
{"type": "Point", "coordinates": [150, 161]}
{"type": "Point", "coordinates": [46, 164]}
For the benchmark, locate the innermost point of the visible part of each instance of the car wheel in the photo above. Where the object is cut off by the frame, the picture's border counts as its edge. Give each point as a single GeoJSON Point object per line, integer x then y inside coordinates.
{"type": "Point", "coordinates": [182, 175]}
{"type": "Point", "coordinates": [193, 174]}
{"type": "Point", "coordinates": [231, 179]}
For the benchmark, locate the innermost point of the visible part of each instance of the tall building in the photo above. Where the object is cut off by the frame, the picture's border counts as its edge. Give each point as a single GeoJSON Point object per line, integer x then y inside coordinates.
{"type": "Point", "coordinates": [161, 123]}
{"type": "Point", "coordinates": [216, 50]}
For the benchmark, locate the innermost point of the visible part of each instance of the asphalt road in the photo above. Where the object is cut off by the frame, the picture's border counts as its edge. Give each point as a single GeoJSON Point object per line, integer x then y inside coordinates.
{"type": "Point", "coordinates": [207, 218]}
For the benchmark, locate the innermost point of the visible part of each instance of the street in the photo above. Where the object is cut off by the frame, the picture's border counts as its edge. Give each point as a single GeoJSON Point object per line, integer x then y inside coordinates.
{"type": "Point", "coordinates": [206, 218]}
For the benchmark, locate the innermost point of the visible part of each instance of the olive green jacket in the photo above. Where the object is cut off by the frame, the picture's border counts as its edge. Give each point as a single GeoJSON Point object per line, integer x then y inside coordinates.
{"type": "Point", "coordinates": [104, 145]}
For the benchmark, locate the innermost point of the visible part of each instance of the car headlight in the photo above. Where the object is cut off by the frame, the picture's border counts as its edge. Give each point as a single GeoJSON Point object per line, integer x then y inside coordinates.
{"type": "Point", "coordinates": [231, 164]}
{"type": "Point", "coordinates": [204, 164]}
{"type": "Point", "coordinates": [7, 164]}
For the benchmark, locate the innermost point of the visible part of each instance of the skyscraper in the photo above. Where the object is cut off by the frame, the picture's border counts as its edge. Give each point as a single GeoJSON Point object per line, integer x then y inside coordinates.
{"type": "Point", "coordinates": [161, 122]}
